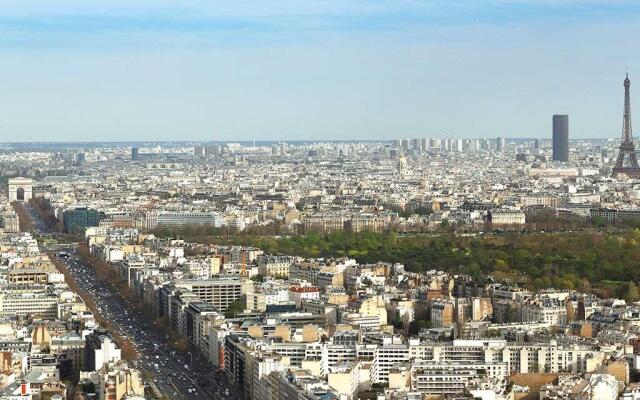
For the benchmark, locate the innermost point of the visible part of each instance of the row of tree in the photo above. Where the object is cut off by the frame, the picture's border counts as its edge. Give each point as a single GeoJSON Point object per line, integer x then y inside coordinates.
{"type": "Point", "coordinates": [24, 219]}
{"type": "Point", "coordinates": [128, 350]}
{"type": "Point", "coordinates": [562, 260]}
{"type": "Point", "coordinates": [105, 272]}
{"type": "Point", "coordinates": [46, 213]}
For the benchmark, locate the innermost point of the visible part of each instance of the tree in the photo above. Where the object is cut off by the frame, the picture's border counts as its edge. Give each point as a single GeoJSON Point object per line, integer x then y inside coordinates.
{"type": "Point", "coordinates": [234, 309]}
{"type": "Point", "coordinates": [88, 387]}
{"type": "Point", "coordinates": [492, 333]}
{"type": "Point", "coordinates": [509, 314]}
{"type": "Point", "coordinates": [147, 375]}
{"type": "Point", "coordinates": [632, 292]}
{"type": "Point", "coordinates": [585, 285]}
{"type": "Point", "coordinates": [181, 345]}
{"type": "Point", "coordinates": [416, 326]}
{"type": "Point", "coordinates": [501, 266]}
{"type": "Point", "coordinates": [128, 351]}
{"type": "Point", "coordinates": [24, 219]}
{"type": "Point", "coordinates": [590, 261]}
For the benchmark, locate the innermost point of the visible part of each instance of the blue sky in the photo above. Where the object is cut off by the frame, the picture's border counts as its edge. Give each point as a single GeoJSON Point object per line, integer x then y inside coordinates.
{"type": "Point", "coordinates": [313, 69]}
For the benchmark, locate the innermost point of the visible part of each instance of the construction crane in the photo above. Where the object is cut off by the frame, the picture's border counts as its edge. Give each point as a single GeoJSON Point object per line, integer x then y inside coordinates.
{"type": "Point", "coordinates": [243, 271]}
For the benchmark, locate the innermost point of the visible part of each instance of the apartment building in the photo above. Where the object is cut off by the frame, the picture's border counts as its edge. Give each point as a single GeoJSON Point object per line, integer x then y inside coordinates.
{"type": "Point", "coordinates": [100, 349]}
{"type": "Point", "coordinates": [345, 379]}
{"type": "Point", "coordinates": [198, 317]}
{"type": "Point", "coordinates": [35, 304]}
{"type": "Point", "coordinates": [220, 293]}
{"type": "Point", "coordinates": [274, 265]}
{"type": "Point", "coordinates": [442, 313]}
{"type": "Point", "coordinates": [506, 217]}
{"type": "Point", "coordinates": [385, 358]}
{"type": "Point", "coordinates": [446, 378]}
{"type": "Point", "coordinates": [542, 308]}
{"type": "Point", "coordinates": [298, 294]}
{"type": "Point", "coordinates": [180, 219]}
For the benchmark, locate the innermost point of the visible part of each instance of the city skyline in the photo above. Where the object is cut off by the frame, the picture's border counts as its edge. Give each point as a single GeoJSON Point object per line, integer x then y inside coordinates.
{"type": "Point", "coordinates": [268, 142]}
{"type": "Point", "coordinates": [185, 270]}
{"type": "Point", "coordinates": [319, 200]}
{"type": "Point", "coordinates": [307, 70]}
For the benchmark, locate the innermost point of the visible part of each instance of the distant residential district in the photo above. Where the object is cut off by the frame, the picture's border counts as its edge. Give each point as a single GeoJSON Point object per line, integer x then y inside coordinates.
{"type": "Point", "coordinates": [174, 309]}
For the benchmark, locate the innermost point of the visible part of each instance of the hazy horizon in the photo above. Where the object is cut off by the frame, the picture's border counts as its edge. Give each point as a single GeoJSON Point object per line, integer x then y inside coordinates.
{"type": "Point", "coordinates": [314, 70]}
{"type": "Point", "coordinates": [267, 142]}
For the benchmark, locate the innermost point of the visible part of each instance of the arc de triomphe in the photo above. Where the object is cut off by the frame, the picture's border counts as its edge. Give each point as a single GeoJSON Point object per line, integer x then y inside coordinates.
{"type": "Point", "coordinates": [20, 189]}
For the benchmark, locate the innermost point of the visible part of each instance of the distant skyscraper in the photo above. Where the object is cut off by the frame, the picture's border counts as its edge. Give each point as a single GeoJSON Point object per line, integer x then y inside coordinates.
{"type": "Point", "coordinates": [499, 144]}
{"type": "Point", "coordinates": [474, 145]}
{"type": "Point", "coordinates": [561, 138]}
{"type": "Point", "coordinates": [134, 153]}
{"type": "Point", "coordinates": [446, 146]}
{"type": "Point", "coordinates": [423, 144]}
{"type": "Point", "coordinates": [456, 145]}
{"type": "Point", "coordinates": [81, 158]}
{"type": "Point", "coordinates": [536, 144]}
{"type": "Point", "coordinates": [405, 144]}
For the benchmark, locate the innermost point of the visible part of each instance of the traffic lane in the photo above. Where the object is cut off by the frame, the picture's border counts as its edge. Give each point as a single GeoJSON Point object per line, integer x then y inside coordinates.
{"type": "Point", "coordinates": [122, 308]}
{"type": "Point", "coordinates": [117, 311]}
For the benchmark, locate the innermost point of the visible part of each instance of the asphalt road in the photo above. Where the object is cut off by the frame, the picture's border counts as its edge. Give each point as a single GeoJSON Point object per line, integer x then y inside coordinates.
{"type": "Point", "coordinates": [167, 367]}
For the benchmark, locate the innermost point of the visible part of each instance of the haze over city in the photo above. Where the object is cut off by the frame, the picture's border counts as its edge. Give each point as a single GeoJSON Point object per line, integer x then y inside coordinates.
{"type": "Point", "coordinates": [319, 200]}
{"type": "Point", "coordinates": [284, 70]}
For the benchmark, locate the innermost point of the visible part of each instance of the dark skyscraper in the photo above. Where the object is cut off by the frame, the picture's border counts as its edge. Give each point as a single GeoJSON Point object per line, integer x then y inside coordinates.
{"type": "Point", "coordinates": [81, 158]}
{"type": "Point", "coordinates": [134, 153]}
{"type": "Point", "coordinates": [500, 142]}
{"type": "Point", "coordinates": [561, 138]}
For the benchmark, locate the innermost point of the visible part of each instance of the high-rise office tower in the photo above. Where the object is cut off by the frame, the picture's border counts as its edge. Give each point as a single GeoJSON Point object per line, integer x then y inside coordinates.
{"type": "Point", "coordinates": [404, 143]}
{"type": "Point", "coordinates": [134, 153]}
{"type": "Point", "coordinates": [446, 144]}
{"type": "Point", "coordinates": [561, 138]}
{"type": "Point", "coordinates": [500, 143]}
{"type": "Point", "coordinates": [81, 158]}
{"type": "Point", "coordinates": [423, 144]}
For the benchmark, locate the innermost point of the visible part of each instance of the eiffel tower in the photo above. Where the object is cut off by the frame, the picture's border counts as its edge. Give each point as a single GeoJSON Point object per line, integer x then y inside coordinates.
{"type": "Point", "coordinates": [627, 163]}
